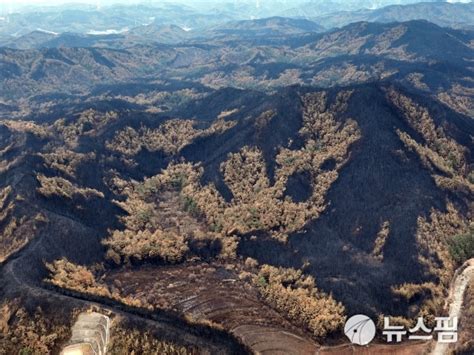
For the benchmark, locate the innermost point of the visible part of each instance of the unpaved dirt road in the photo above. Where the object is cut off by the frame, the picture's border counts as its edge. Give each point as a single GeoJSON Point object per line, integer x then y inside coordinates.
{"type": "Point", "coordinates": [456, 296]}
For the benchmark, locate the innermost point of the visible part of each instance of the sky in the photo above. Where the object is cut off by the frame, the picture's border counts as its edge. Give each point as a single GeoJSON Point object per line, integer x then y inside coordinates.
{"type": "Point", "coordinates": [58, 2]}
{"type": "Point", "coordinates": [104, 2]}
{"type": "Point", "coordinates": [45, 2]}
{"type": "Point", "coordinates": [16, 3]}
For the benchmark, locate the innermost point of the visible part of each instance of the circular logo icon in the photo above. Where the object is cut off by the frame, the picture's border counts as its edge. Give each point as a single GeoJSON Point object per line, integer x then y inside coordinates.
{"type": "Point", "coordinates": [360, 329]}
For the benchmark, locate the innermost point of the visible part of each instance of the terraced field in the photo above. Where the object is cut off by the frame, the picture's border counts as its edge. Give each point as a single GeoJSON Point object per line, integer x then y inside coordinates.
{"type": "Point", "coordinates": [215, 295]}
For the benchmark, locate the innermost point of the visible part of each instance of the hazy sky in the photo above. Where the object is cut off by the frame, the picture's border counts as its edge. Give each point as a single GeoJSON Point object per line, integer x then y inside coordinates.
{"type": "Point", "coordinates": [12, 4]}
{"type": "Point", "coordinates": [57, 2]}
{"type": "Point", "coordinates": [104, 2]}
{"type": "Point", "coordinates": [15, 3]}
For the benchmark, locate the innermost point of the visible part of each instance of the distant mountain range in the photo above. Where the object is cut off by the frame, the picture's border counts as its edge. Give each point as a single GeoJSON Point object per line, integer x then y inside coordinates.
{"type": "Point", "coordinates": [119, 19]}
{"type": "Point", "coordinates": [176, 24]}
{"type": "Point", "coordinates": [166, 34]}
{"type": "Point", "coordinates": [417, 54]}
{"type": "Point", "coordinates": [456, 15]}
{"type": "Point", "coordinates": [273, 26]}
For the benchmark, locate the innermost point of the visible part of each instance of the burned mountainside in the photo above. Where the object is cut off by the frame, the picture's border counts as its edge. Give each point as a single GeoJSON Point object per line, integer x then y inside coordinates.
{"type": "Point", "coordinates": [311, 204]}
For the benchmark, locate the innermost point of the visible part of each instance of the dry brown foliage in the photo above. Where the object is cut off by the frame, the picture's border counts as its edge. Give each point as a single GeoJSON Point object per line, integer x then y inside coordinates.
{"type": "Point", "coordinates": [163, 209]}
{"type": "Point", "coordinates": [24, 333]}
{"type": "Point", "coordinates": [259, 206]}
{"type": "Point", "coordinates": [6, 203]}
{"type": "Point", "coordinates": [448, 163]}
{"type": "Point", "coordinates": [65, 160]}
{"type": "Point", "coordinates": [33, 128]}
{"type": "Point", "coordinates": [157, 101]}
{"type": "Point", "coordinates": [432, 236]}
{"type": "Point", "coordinates": [141, 245]}
{"type": "Point", "coordinates": [89, 123]}
{"type": "Point", "coordinates": [416, 79]}
{"type": "Point", "coordinates": [78, 278]}
{"type": "Point", "coordinates": [438, 152]}
{"type": "Point", "coordinates": [56, 186]}
{"type": "Point", "coordinates": [159, 222]}
{"type": "Point", "coordinates": [128, 142]}
{"type": "Point", "coordinates": [70, 276]}
{"type": "Point", "coordinates": [409, 290]}
{"type": "Point", "coordinates": [125, 340]}
{"type": "Point", "coordinates": [16, 228]}
{"type": "Point", "coordinates": [170, 137]}
{"type": "Point", "coordinates": [156, 227]}
{"type": "Point", "coordinates": [380, 241]}
{"type": "Point", "coordinates": [296, 295]}
{"type": "Point", "coordinates": [459, 98]}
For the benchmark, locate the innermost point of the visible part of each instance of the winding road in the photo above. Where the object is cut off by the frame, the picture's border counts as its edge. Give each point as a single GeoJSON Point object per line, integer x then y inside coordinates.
{"type": "Point", "coordinates": [16, 275]}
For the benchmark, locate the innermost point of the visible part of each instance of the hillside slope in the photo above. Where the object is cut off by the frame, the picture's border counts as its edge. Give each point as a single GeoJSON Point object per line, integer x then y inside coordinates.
{"type": "Point", "coordinates": [253, 186]}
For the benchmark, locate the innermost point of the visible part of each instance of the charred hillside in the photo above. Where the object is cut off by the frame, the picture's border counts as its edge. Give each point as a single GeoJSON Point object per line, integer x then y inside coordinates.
{"type": "Point", "coordinates": [350, 195]}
